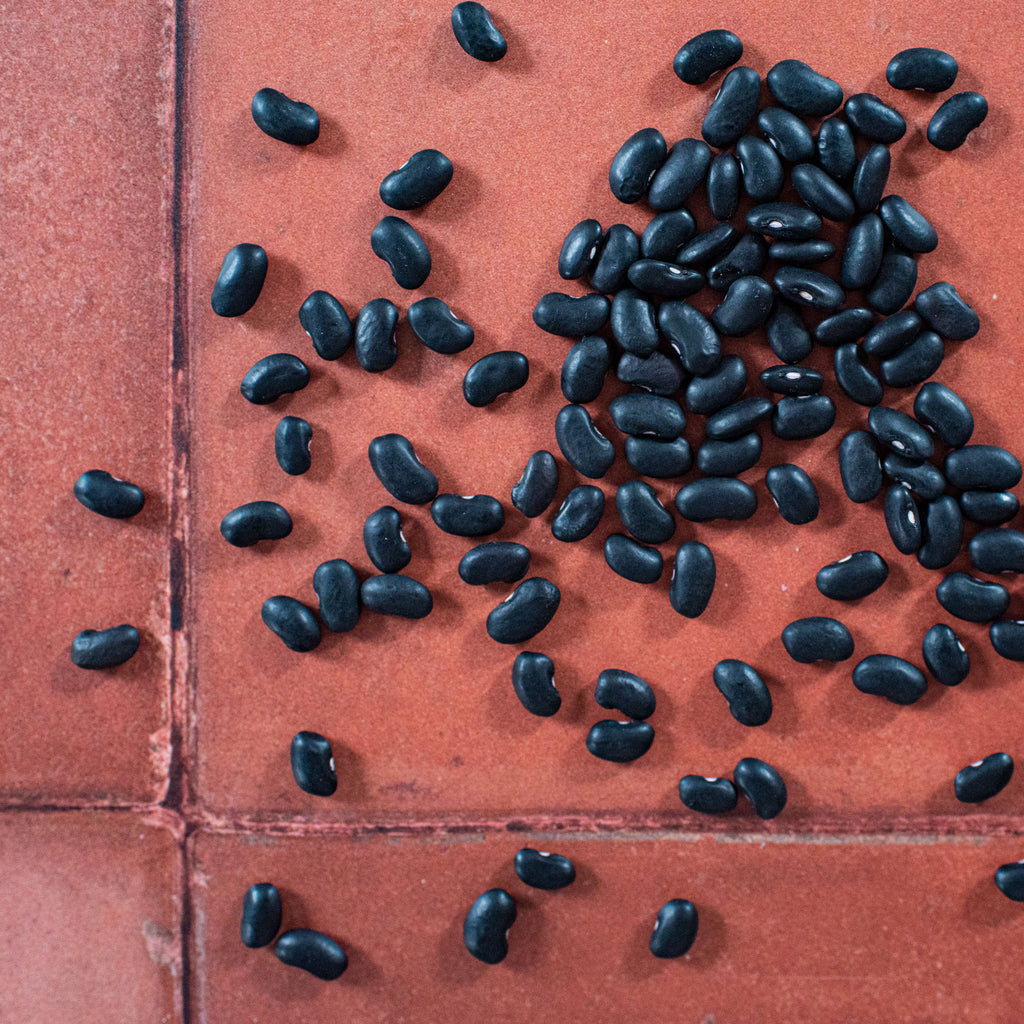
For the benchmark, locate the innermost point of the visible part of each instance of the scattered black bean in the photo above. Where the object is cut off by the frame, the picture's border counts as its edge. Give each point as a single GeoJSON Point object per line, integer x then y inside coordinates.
{"type": "Point", "coordinates": [947, 313]}
{"type": "Point", "coordinates": [761, 169]}
{"type": "Point", "coordinates": [788, 134]}
{"type": "Point", "coordinates": [971, 599]}
{"type": "Point", "coordinates": [901, 433]}
{"type": "Point", "coordinates": [921, 477]}
{"type": "Point", "coordinates": [643, 514]}
{"type": "Point", "coordinates": [822, 193]}
{"type": "Point", "coordinates": [675, 930]}
{"type": "Point", "coordinates": [787, 333]}
{"type": "Point", "coordinates": [499, 561]}
{"type": "Point", "coordinates": [708, 246]}
{"type": "Point", "coordinates": [707, 795]}
{"type": "Point", "coordinates": [497, 373]}
{"type": "Point", "coordinates": [893, 334]}
{"type": "Point", "coordinates": [908, 226]}
{"type": "Point", "coordinates": [485, 930]}
{"type": "Point", "coordinates": [395, 594]}
{"type": "Point", "coordinates": [863, 255]}
{"type": "Point", "coordinates": [859, 384]}
{"type": "Point", "coordinates": [402, 248]}
{"type": "Point", "coordinates": [312, 951]}
{"type": "Point", "coordinates": [798, 419]}
{"type": "Point", "coordinates": [537, 486]}
{"type": "Point", "coordinates": [692, 336]}
{"type": "Point", "coordinates": [666, 234]}
{"type": "Point", "coordinates": [642, 415]}
{"type": "Point", "coordinates": [313, 764]}
{"type": "Point", "coordinates": [666, 280]}
{"type": "Point", "coordinates": [787, 221]}
{"type": "Point", "coordinates": [708, 393]}
{"type": "Point", "coordinates": [716, 498]}
{"type": "Point", "coordinates": [956, 119]}
{"type": "Point", "coordinates": [384, 541]}
{"type": "Point", "coordinates": [809, 288]}
{"type": "Point", "coordinates": [579, 250]}
{"type": "Point", "coordinates": [632, 561]}
{"type": "Point", "coordinates": [476, 33]}
{"type": "Point", "coordinates": [844, 327]}
{"type": "Point", "coordinates": [895, 282]}
{"type": "Point", "coordinates": [324, 319]}
{"type": "Point", "coordinates": [291, 445]}
{"type": "Point", "coordinates": [543, 870]}
{"type": "Point", "coordinates": [657, 373]}
{"type": "Point", "coordinates": [944, 655]}
{"type": "Point", "coordinates": [989, 508]}
{"type": "Point", "coordinates": [258, 520]}
{"type": "Point", "coordinates": [749, 701]}
{"type": "Point", "coordinates": [693, 579]}
{"type": "Point", "coordinates": [983, 779]}
{"type": "Point", "coordinates": [793, 492]}
{"type": "Point", "coordinates": [998, 551]}
{"type": "Point", "coordinates": [729, 458]}
{"type": "Point", "coordinates": [261, 915]}
{"type": "Point", "coordinates": [1010, 881]}
{"type": "Point", "coordinates": [525, 612]}
{"type": "Point", "coordinates": [584, 369]}
{"type": "Point", "coordinates": [871, 177]}
{"type": "Point", "coordinates": [903, 520]}
{"type": "Point", "coordinates": [685, 167]}
{"type": "Point", "coordinates": [292, 622]}
{"type": "Point", "coordinates": [240, 280]}
{"type": "Point", "coordinates": [803, 90]}
{"type": "Point", "coordinates": [620, 742]}
{"type": "Point", "coordinates": [945, 412]}
{"type": "Point", "coordinates": [837, 153]}
{"type": "Point", "coordinates": [885, 675]}
{"type": "Point", "coordinates": [423, 177]}
{"type": "Point", "coordinates": [579, 514]}
{"type": "Point", "coordinates": [467, 515]}
{"type": "Point", "coordinates": [586, 449]}
{"type": "Point", "coordinates": [635, 165]}
{"type": "Point", "coordinates": [817, 638]}
{"type": "Point", "coordinates": [762, 785]}
{"type": "Point", "coordinates": [104, 648]}
{"type": "Point", "coordinates": [859, 466]}
{"type": "Point", "coordinates": [1007, 637]}
{"type": "Point", "coordinates": [739, 418]}
{"type": "Point", "coordinates": [745, 307]}
{"type": "Point", "coordinates": [663, 460]}
{"type": "Point", "coordinates": [802, 254]}
{"type": "Point", "coordinates": [792, 380]}
{"type": "Point", "coordinates": [396, 466]}
{"type": "Point", "coordinates": [438, 327]}
{"type": "Point", "coordinates": [747, 257]}
{"type": "Point", "coordinates": [705, 54]}
{"type": "Point", "coordinates": [982, 467]}
{"type": "Point", "coordinates": [374, 341]}
{"type": "Point", "coordinates": [874, 119]}
{"type": "Point", "coordinates": [732, 109]}
{"type": "Point", "coordinates": [723, 186]}
{"type": "Point", "coordinates": [337, 588]}
{"type": "Point", "coordinates": [852, 577]}
{"type": "Point", "coordinates": [285, 120]}
{"type": "Point", "coordinates": [915, 363]}
{"type": "Point", "coordinates": [108, 495]}
{"type": "Point", "coordinates": [632, 321]}
{"type": "Point", "coordinates": [943, 533]}
{"type": "Point", "coordinates": [922, 67]}
{"type": "Point", "coordinates": [533, 679]}
{"type": "Point", "coordinates": [274, 376]}
{"type": "Point", "coordinates": [571, 317]}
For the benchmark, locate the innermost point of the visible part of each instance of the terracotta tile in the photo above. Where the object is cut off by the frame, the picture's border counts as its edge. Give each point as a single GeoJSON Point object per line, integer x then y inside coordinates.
{"type": "Point", "coordinates": [91, 908]}
{"type": "Point", "coordinates": [85, 280]}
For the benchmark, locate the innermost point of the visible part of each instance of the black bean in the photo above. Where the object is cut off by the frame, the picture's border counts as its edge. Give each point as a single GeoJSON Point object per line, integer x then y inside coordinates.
{"type": "Point", "coordinates": [983, 779]}
{"type": "Point", "coordinates": [579, 514]}
{"type": "Point", "coordinates": [708, 246]}
{"type": "Point", "coordinates": [871, 177]}
{"type": "Point", "coordinates": [705, 54]}
{"type": "Point", "coordinates": [395, 594]}
{"type": "Point", "coordinates": [632, 561]}
{"type": "Point", "coordinates": [662, 460]}
{"type": "Point", "coordinates": [989, 508]}
{"type": "Point", "coordinates": [788, 221]}
{"type": "Point", "coordinates": [283, 119]}
{"type": "Point", "coordinates": [374, 343]}
{"type": "Point", "coordinates": [666, 234]}
{"type": "Point", "coordinates": [862, 257]}
{"type": "Point", "coordinates": [859, 466]}
{"type": "Point", "coordinates": [908, 226]}
{"type": "Point", "coordinates": [915, 363]}
{"type": "Point", "coordinates": [1010, 880]}
{"type": "Point", "coordinates": [674, 930]}
{"type": "Point", "coordinates": [313, 764]}
{"type": "Point", "coordinates": [998, 551]}
{"type": "Point", "coordinates": [787, 133]}
{"type": "Point", "coordinates": [104, 648]}
{"type": "Point", "coordinates": [787, 333]}
{"type": "Point", "coordinates": [903, 520]}
{"type": "Point", "coordinates": [971, 599]}
{"type": "Point", "coordinates": [693, 579]}
{"type": "Point", "coordinates": [261, 915]}
{"type": "Point", "coordinates": [746, 306]}
{"type": "Point", "coordinates": [885, 675]}
{"type": "Point", "coordinates": [499, 561]}
{"type": "Point", "coordinates": [956, 119]}
{"type": "Point", "coordinates": [402, 248]}
{"type": "Point", "coordinates": [108, 495]}
{"type": "Point", "coordinates": [707, 795]}
{"type": "Point", "coordinates": [792, 380]}
{"type": "Point", "coordinates": [467, 515]}
{"type": "Point", "coordinates": [642, 415]}
{"type": "Point", "coordinates": [337, 588]}
{"type": "Point", "coordinates": [666, 280]}
{"type": "Point", "coordinates": [922, 67]}
{"type": "Point", "coordinates": [657, 373]}
{"type": "Point", "coordinates": [707, 393]}
{"type": "Point", "coordinates": [496, 374]}
{"type": "Point", "coordinates": [635, 165]}
{"type": "Point", "coordinates": [438, 327]}
{"type": "Point", "coordinates": [803, 90]}
{"type": "Point", "coordinates": [798, 419]}
{"type": "Point", "coordinates": [739, 418]}
{"type": "Point", "coordinates": [485, 930]}
{"type": "Point", "coordinates": [817, 638]}
{"type": "Point", "coordinates": [822, 193]}
{"type": "Point", "coordinates": [258, 520]}
{"type": "Point", "coordinates": [620, 250]}
{"type": "Point", "coordinates": [747, 257]}
{"type": "Point", "coordinates": [643, 514]}
{"type": "Point", "coordinates": [852, 577]}
{"type": "Point", "coordinates": [292, 622]}
{"type": "Point", "coordinates": [749, 701]}
{"type": "Point", "coordinates": [619, 741]}
{"type": "Point", "coordinates": [684, 169]}
{"type": "Point", "coordinates": [543, 870]}
{"type": "Point", "coordinates": [944, 655]}
{"type": "Point", "coordinates": [852, 374]}
{"type": "Point", "coordinates": [533, 679]}
{"type": "Point", "coordinates": [291, 445]}
{"type": "Point", "coordinates": [921, 477]}
{"type": "Point", "coordinates": [632, 322]}
{"type": "Point", "coordinates": [732, 109]}
{"type": "Point", "coordinates": [982, 467]}
{"type": "Point", "coordinates": [587, 450]}
{"type": "Point", "coordinates": [692, 336]}
{"type": "Point", "coordinates": [579, 250]}
{"type": "Point", "coordinates": [762, 785]}
{"type": "Point", "coordinates": [619, 690]}
{"type": "Point", "coordinates": [240, 280]}
{"type": "Point", "coordinates": [525, 612]}
{"type": "Point", "coordinates": [874, 119]}
{"type": "Point", "coordinates": [809, 288]}
{"type": "Point", "coordinates": [844, 327]}
{"type": "Point", "coordinates": [537, 486]}
{"type": "Point", "coordinates": [324, 319]}
{"type": "Point", "coordinates": [584, 369]}
{"type": "Point", "coordinates": [894, 283]}
{"type": "Point", "coordinates": [394, 461]}
{"type": "Point", "coordinates": [761, 169]}
{"type": "Point", "coordinates": [273, 376]}
{"type": "Point", "coordinates": [312, 951]}
{"type": "Point", "coordinates": [476, 33]}
{"type": "Point", "coordinates": [1008, 639]}
{"type": "Point", "coordinates": [943, 533]}
{"type": "Point", "coordinates": [716, 498]}
{"type": "Point", "coordinates": [384, 541]}
{"type": "Point", "coordinates": [901, 433]}
{"type": "Point", "coordinates": [423, 177]}
{"type": "Point", "coordinates": [836, 151]}
{"type": "Point", "coordinates": [802, 254]}
{"type": "Point", "coordinates": [893, 334]}
{"type": "Point", "coordinates": [947, 313]}
{"type": "Point", "coordinates": [723, 186]}
{"type": "Point", "coordinates": [571, 317]}
{"type": "Point", "coordinates": [729, 458]}
{"type": "Point", "coordinates": [793, 492]}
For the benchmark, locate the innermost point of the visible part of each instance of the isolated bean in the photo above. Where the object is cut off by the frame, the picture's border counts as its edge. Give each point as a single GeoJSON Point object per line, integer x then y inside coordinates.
{"type": "Point", "coordinates": [579, 514]}
{"type": "Point", "coordinates": [871, 177]}
{"type": "Point", "coordinates": [240, 280]}
{"type": "Point", "coordinates": [707, 795]}
{"type": "Point", "coordinates": [291, 445]}
{"type": "Point", "coordinates": [312, 951]}
{"type": "Point", "coordinates": [395, 594]}
{"type": "Point", "coordinates": [1010, 881]}
{"type": "Point", "coordinates": [1007, 639]}
{"type": "Point", "coordinates": [662, 460]}
{"type": "Point", "coordinates": [499, 561]}
{"type": "Point", "coordinates": [859, 384]}
{"type": "Point", "coordinates": [636, 163]}
{"type": "Point", "coordinates": [809, 288]}
{"type": "Point", "coordinates": [921, 477]}
{"type": "Point", "coordinates": [787, 333]}
{"type": "Point", "coordinates": [761, 169]}
{"type": "Point", "coordinates": [798, 419]}
{"type": "Point", "coordinates": [705, 54]}
{"type": "Point", "coordinates": [384, 541]}
{"type": "Point", "coordinates": [619, 690]}
{"type": "Point", "coordinates": [894, 283]}
{"type": "Point", "coordinates": [496, 374]}
{"type": "Point", "coordinates": [732, 109]}
{"type": "Point", "coordinates": [739, 418]}
{"type": "Point", "coordinates": [787, 133]}
{"type": "Point", "coordinates": [571, 317]}
{"type": "Point", "coordinates": [822, 193]}
{"type": "Point", "coordinates": [788, 221]}
{"type": "Point", "coordinates": [438, 327]}
{"type": "Point", "coordinates": [803, 90]}
{"type": "Point", "coordinates": [642, 513]}
{"type": "Point", "coordinates": [729, 458]}
{"type": "Point", "coordinates": [817, 638]}
{"type": "Point", "coordinates": [836, 150]}
{"type": "Point", "coordinates": [258, 520]}
{"type": "Point", "coordinates": [476, 33]}
{"type": "Point", "coordinates": [762, 785]}
{"type": "Point", "coordinates": [423, 177]}
{"type": "Point", "coordinates": [657, 373]}
{"type": "Point", "coordinates": [543, 870]}
{"type": "Point", "coordinates": [394, 461]}
{"type": "Point", "coordinates": [536, 488]}
{"type": "Point", "coordinates": [374, 342]}
{"type": "Point", "coordinates": [261, 915]}
{"type": "Point", "coordinates": [874, 119]}
{"type": "Point", "coordinates": [579, 250]}
{"type": "Point", "coordinates": [632, 561]}
{"type": "Point", "coordinates": [716, 498]}
{"type": "Point", "coordinates": [324, 319]}
{"type": "Point", "coordinates": [692, 336]}
{"type": "Point", "coordinates": [947, 313]}
{"type": "Point", "coordinates": [983, 779]}
{"type": "Point", "coordinates": [284, 119]}
{"type": "Point", "coordinates": [982, 467]}
{"type": "Point", "coordinates": [675, 930]}
{"type": "Point", "coordinates": [525, 612]}
{"type": "Point", "coordinates": [587, 450]}
{"type": "Point", "coordinates": [666, 234]}
{"type": "Point", "coordinates": [710, 392]}
{"type": "Point", "coordinates": [693, 579]}
{"type": "Point", "coordinates": [915, 363]}
{"type": "Point", "coordinates": [533, 679]}
{"type": "Point", "coordinates": [683, 170]}
{"type": "Point", "coordinates": [944, 655]}
{"type": "Point", "coordinates": [467, 515]}
{"type": "Point", "coordinates": [313, 764]}
{"type": "Point", "coordinates": [862, 257]}
{"type": "Point", "coordinates": [793, 492]}
{"type": "Point", "coordinates": [108, 495]}
{"type": "Point", "coordinates": [749, 701]}
{"type": "Point", "coordinates": [908, 226]}
{"type": "Point", "coordinates": [903, 520]}
{"type": "Point", "coordinates": [943, 533]}
{"type": "Point", "coordinates": [723, 186]}
{"type": "Point", "coordinates": [485, 930]}
{"type": "Point", "coordinates": [852, 577]}
{"type": "Point", "coordinates": [292, 622]}
{"type": "Point", "coordinates": [956, 119]}
{"type": "Point", "coordinates": [402, 248]}
{"type": "Point", "coordinates": [971, 599]}
{"type": "Point", "coordinates": [885, 675]}
{"type": "Point", "coordinates": [922, 67]}
{"type": "Point", "coordinates": [273, 376]}
{"type": "Point", "coordinates": [989, 508]}
{"type": "Point", "coordinates": [632, 322]}
{"type": "Point", "coordinates": [104, 648]}
{"type": "Point", "coordinates": [859, 466]}
{"type": "Point", "coordinates": [337, 589]}
{"type": "Point", "coordinates": [620, 742]}
{"type": "Point", "coordinates": [745, 307]}
{"type": "Point", "coordinates": [584, 369]}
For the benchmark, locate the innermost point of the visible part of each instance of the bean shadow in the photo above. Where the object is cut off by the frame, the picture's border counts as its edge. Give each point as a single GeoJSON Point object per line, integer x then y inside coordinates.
{"type": "Point", "coordinates": [331, 142]}
{"type": "Point", "coordinates": [986, 906]}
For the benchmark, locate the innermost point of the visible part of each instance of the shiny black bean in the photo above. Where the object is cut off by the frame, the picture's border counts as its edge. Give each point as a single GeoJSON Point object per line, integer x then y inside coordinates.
{"type": "Point", "coordinates": [476, 33]}
{"type": "Point", "coordinates": [762, 785]}
{"type": "Point", "coordinates": [312, 951]}
{"type": "Point", "coordinates": [543, 870]}
{"type": "Point", "coordinates": [809, 288]}
{"type": "Point", "coordinates": [292, 622]}
{"type": "Point", "coordinates": [893, 334]}
{"type": "Point", "coordinates": [947, 313]}
{"type": "Point", "coordinates": [707, 393]}
{"type": "Point", "coordinates": [921, 477]}
{"type": "Point", "coordinates": [909, 227]}
{"type": "Point", "coordinates": [569, 316]}
{"type": "Point", "coordinates": [423, 177]}
{"type": "Point", "coordinates": [402, 248]}
{"type": "Point", "coordinates": [104, 648]}
{"type": "Point", "coordinates": [666, 234]}
{"type": "Point", "coordinates": [525, 612]}
{"type": "Point", "coordinates": [533, 679]}
{"type": "Point", "coordinates": [943, 533]}
{"type": "Point", "coordinates": [982, 467]}
{"type": "Point", "coordinates": [803, 90]}
{"type": "Point", "coordinates": [313, 764]}
{"type": "Point", "coordinates": [261, 915]}
{"type": "Point", "coordinates": [885, 675]}
{"type": "Point", "coordinates": [619, 251]}
{"type": "Point", "coordinates": [971, 599]}
{"type": "Point", "coordinates": [802, 254]}
{"type": "Point", "coordinates": [859, 466]}
{"type": "Point", "coordinates": [746, 306]}
{"type": "Point", "coordinates": [666, 280]}
{"type": "Point", "coordinates": [874, 119]}
{"type": "Point", "coordinates": [708, 246]}
{"type": "Point", "coordinates": [852, 577]}
{"type": "Point", "coordinates": [643, 415]}
{"type": "Point", "coordinates": [395, 594]}
{"type": "Point", "coordinates": [273, 376]}
{"type": "Point", "coordinates": [675, 930]}
{"type": "Point", "coordinates": [792, 380]}
{"type": "Point", "coordinates": [793, 492]}
{"type": "Point", "coordinates": [707, 795]}
{"type": "Point", "coordinates": [632, 561]}
{"type": "Point", "coordinates": [894, 283]}
{"type": "Point", "coordinates": [956, 119]}
{"type": "Point", "coordinates": [915, 363]}
{"type": "Point", "coordinates": [729, 458]}
{"type": "Point", "coordinates": [396, 466]}
{"type": "Point", "coordinates": [749, 701]}
{"type": "Point", "coordinates": [587, 450]}
{"type": "Point", "coordinates": [291, 445]}
{"type": "Point", "coordinates": [283, 119]}
{"type": "Point", "coordinates": [632, 322]}
{"type": "Point", "coordinates": [844, 327]}
{"type": "Point", "coordinates": [761, 169]}
{"type": "Point", "coordinates": [375, 344]}
{"type": "Point", "coordinates": [798, 419]}
{"type": "Point", "coordinates": [871, 177]}
{"type": "Point", "coordinates": [705, 54]}
{"type": "Point", "coordinates": [579, 513]}
{"type": "Point", "coordinates": [619, 741]}
{"type": "Point", "coordinates": [683, 170]}
{"type": "Point", "coordinates": [384, 541]}
{"type": "Point", "coordinates": [862, 257]}
{"type": "Point", "coordinates": [922, 67]}
{"type": "Point", "coordinates": [485, 930]}
{"type": "Point", "coordinates": [738, 418]}
{"type": "Point", "coordinates": [997, 551]}
{"type": "Point", "coordinates": [732, 109]}
{"type": "Point", "coordinates": [693, 579]}
{"type": "Point", "coordinates": [836, 151]}
{"type": "Point", "coordinates": [723, 186]}
{"type": "Point", "coordinates": [255, 521]}
{"type": "Point", "coordinates": [823, 194]}
{"type": "Point", "coordinates": [337, 589]}
{"type": "Point", "coordinates": [635, 165]}
{"type": "Point", "coordinates": [989, 508]}
{"type": "Point", "coordinates": [657, 373]}
{"type": "Point", "coordinates": [691, 335]}
{"type": "Point", "coordinates": [584, 369]}
{"type": "Point", "coordinates": [536, 488]}
{"type": "Point", "coordinates": [662, 460]}
{"type": "Point", "coordinates": [787, 333]}
{"type": "Point", "coordinates": [788, 221]}
{"type": "Point", "coordinates": [1010, 880]}
{"type": "Point", "coordinates": [496, 374]}
{"type": "Point", "coordinates": [619, 690]}
{"type": "Point", "coordinates": [983, 779]}
{"type": "Point", "coordinates": [579, 250]}
{"type": "Point", "coordinates": [1007, 639]}
{"type": "Point", "coordinates": [240, 280]}
{"type": "Point", "coordinates": [642, 514]}
{"type": "Point", "coordinates": [787, 133]}
{"type": "Point", "coordinates": [438, 327]}
{"type": "Point", "coordinates": [855, 378]}
{"type": "Point", "coordinates": [901, 433]}
{"type": "Point", "coordinates": [467, 516]}
{"type": "Point", "coordinates": [108, 495]}
{"type": "Point", "coordinates": [324, 319]}
{"type": "Point", "coordinates": [903, 520]}
{"type": "Point", "coordinates": [817, 638]}
{"type": "Point", "coordinates": [747, 257]}
{"type": "Point", "coordinates": [944, 655]}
